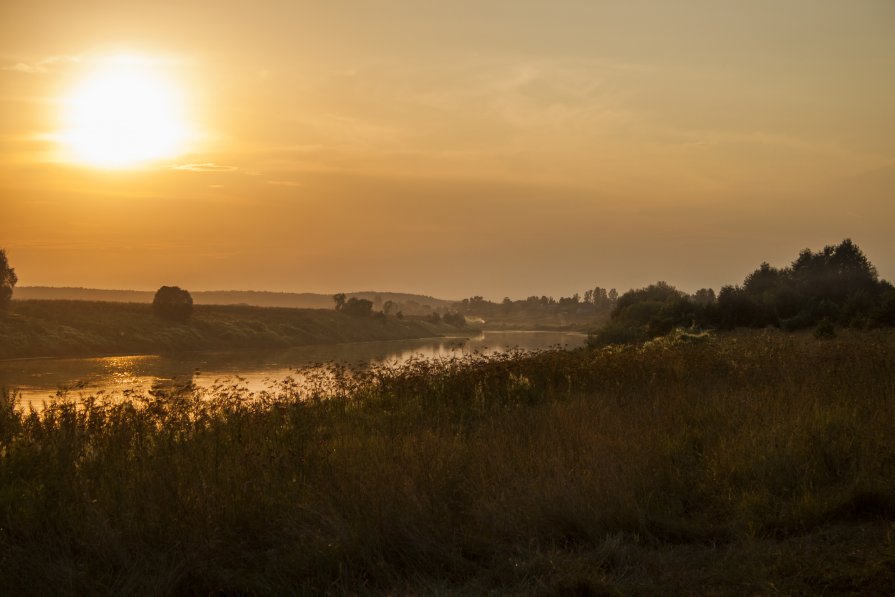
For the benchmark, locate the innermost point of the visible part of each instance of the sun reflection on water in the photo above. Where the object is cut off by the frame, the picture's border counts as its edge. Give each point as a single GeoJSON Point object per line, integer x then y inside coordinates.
{"type": "Point", "coordinates": [122, 377]}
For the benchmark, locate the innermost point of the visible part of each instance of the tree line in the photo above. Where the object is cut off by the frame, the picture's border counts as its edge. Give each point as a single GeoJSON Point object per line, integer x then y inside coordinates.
{"type": "Point", "coordinates": [593, 302]}
{"type": "Point", "coordinates": [836, 286]}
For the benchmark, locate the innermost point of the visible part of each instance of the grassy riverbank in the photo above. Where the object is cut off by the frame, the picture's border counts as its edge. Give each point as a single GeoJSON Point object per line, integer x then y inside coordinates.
{"type": "Point", "coordinates": [755, 463]}
{"type": "Point", "coordinates": [38, 328]}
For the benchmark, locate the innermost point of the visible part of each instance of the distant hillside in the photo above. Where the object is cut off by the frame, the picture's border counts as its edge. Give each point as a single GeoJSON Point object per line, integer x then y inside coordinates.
{"type": "Point", "coordinates": [303, 300]}
{"type": "Point", "coordinates": [38, 328]}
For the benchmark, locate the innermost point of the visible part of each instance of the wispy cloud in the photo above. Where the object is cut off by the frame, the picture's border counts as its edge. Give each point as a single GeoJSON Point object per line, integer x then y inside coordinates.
{"type": "Point", "coordinates": [205, 167]}
{"type": "Point", "coordinates": [46, 64]}
{"type": "Point", "coordinates": [40, 66]}
{"type": "Point", "coordinates": [284, 183]}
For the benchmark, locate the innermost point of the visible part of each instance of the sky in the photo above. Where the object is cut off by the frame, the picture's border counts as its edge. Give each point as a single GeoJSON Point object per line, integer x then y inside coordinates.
{"type": "Point", "coordinates": [447, 148]}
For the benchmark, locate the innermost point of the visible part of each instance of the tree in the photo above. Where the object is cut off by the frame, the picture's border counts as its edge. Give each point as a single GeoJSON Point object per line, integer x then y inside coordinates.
{"type": "Point", "coordinates": [657, 294]}
{"type": "Point", "coordinates": [339, 299]}
{"type": "Point", "coordinates": [357, 307]}
{"type": "Point", "coordinates": [658, 308]}
{"type": "Point", "coordinates": [764, 279]}
{"type": "Point", "coordinates": [172, 303]}
{"type": "Point", "coordinates": [835, 272]}
{"type": "Point", "coordinates": [8, 280]}
{"type": "Point", "coordinates": [704, 296]}
{"type": "Point", "coordinates": [601, 298]}
{"type": "Point", "coordinates": [507, 304]}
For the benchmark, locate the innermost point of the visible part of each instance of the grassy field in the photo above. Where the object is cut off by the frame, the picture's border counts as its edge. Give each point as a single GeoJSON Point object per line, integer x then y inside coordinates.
{"type": "Point", "coordinates": [753, 463]}
{"type": "Point", "coordinates": [38, 328]}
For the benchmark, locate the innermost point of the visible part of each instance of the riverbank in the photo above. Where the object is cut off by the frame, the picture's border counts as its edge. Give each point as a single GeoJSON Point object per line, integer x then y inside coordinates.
{"type": "Point", "coordinates": [38, 328]}
{"type": "Point", "coordinates": [36, 379]}
{"type": "Point", "coordinates": [748, 463]}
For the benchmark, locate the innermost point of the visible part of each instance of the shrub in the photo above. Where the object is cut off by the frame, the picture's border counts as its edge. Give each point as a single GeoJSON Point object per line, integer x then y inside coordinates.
{"type": "Point", "coordinates": [616, 333]}
{"type": "Point", "coordinates": [172, 303]}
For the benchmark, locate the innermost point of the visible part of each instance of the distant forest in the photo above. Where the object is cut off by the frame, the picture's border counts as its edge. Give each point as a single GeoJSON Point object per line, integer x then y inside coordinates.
{"type": "Point", "coordinates": [593, 307]}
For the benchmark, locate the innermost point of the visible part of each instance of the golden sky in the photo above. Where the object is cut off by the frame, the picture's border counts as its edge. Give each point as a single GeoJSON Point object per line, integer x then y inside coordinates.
{"type": "Point", "coordinates": [451, 148]}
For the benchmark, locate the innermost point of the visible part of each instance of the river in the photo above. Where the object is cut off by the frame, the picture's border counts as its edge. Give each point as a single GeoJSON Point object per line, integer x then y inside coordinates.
{"type": "Point", "coordinates": [37, 380]}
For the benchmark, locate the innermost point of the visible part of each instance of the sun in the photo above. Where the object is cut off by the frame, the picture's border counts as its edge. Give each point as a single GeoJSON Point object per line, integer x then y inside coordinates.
{"type": "Point", "coordinates": [123, 115]}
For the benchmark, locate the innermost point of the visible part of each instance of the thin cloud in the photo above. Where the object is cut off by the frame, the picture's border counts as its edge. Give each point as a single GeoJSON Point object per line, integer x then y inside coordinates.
{"type": "Point", "coordinates": [40, 66]}
{"type": "Point", "coordinates": [44, 65]}
{"type": "Point", "coordinates": [284, 183]}
{"type": "Point", "coordinates": [205, 167]}
{"type": "Point", "coordinates": [29, 69]}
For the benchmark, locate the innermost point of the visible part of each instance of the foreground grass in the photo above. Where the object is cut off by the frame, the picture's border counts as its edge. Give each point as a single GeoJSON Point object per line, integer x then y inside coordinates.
{"type": "Point", "coordinates": [758, 463]}
{"type": "Point", "coordinates": [43, 328]}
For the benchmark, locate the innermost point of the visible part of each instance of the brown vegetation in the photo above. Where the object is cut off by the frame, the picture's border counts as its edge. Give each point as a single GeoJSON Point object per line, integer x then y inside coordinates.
{"type": "Point", "coordinates": [753, 463]}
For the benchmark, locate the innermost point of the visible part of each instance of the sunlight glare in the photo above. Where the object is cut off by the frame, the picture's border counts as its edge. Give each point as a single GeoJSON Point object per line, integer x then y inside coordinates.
{"type": "Point", "coordinates": [123, 116]}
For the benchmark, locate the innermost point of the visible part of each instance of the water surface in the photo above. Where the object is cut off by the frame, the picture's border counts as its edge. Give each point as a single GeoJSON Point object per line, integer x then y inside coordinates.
{"type": "Point", "coordinates": [38, 379]}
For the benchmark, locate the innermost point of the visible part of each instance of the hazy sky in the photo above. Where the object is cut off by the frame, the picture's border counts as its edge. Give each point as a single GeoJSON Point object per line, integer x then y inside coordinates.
{"type": "Point", "coordinates": [454, 148]}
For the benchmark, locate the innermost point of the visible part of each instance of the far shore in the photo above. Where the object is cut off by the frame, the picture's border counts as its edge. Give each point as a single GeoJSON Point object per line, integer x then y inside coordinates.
{"type": "Point", "coordinates": [72, 329]}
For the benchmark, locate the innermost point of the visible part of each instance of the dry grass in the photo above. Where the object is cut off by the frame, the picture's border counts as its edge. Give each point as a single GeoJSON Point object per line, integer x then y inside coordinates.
{"type": "Point", "coordinates": [753, 463]}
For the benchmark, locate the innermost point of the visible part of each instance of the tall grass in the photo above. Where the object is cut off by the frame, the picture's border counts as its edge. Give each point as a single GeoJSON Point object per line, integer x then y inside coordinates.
{"type": "Point", "coordinates": [673, 466]}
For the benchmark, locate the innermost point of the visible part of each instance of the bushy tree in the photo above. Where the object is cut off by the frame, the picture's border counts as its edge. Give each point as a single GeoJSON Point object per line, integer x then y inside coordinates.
{"type": "Point", "coordinates": [655, 310]}
{"type": "Point", "coordinates": [600, 298]}
{"type": "Point", "coordinates": [357, 307]}
{"type": "Point", "coordinates": [172, 303]}
{"type": "Point", "coordinates": [507, 304]}
{"type": "Point", "coordinates": [835, 272]}
{"type": "Point", "coordinates": [735, 308]}
{"type": "Point", "coordinates": [8, 280]}
{"type": "Point", "coordinates": [704, 297]}
{"type": "Point", "coordinates": [837, 283]}
{"type": "Point", "coordinates": [636, 304]}
{"type": "Point", "coordinates": [764, 279]}
{"type": "Point", "coordinates": [339, 300]}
